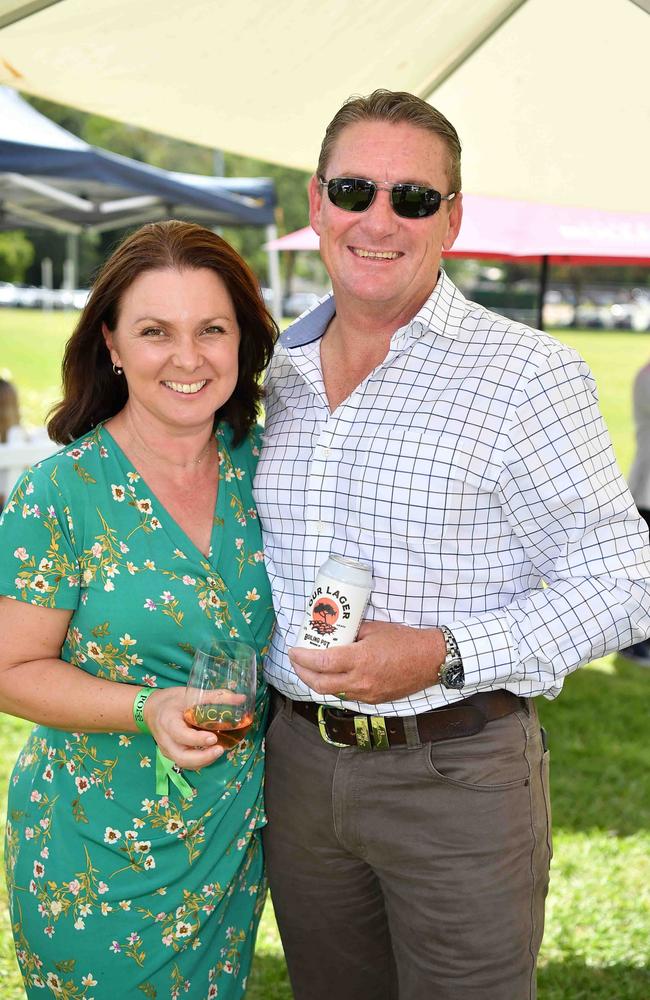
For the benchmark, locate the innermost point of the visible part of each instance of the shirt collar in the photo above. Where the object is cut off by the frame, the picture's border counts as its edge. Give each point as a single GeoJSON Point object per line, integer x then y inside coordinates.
{"type": "Point", "coordinates": [442, 313]}
{"type": "Point", "coordinates": [311, 326]}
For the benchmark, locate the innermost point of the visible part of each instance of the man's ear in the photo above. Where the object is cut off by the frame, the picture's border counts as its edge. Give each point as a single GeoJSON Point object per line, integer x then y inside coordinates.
{"type": "Point", "coordinates": [454, 221]}
{"type": "Point", "coordinates": [315, 202]}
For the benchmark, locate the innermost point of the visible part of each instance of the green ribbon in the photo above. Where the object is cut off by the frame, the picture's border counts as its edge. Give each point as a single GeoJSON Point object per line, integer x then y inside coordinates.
{"type": "Point", "coordinates": [166, 772]}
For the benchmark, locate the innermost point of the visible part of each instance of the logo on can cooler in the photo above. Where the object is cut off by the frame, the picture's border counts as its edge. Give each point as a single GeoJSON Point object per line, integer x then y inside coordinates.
{"type": "Point", "coordinates": [324, 616]}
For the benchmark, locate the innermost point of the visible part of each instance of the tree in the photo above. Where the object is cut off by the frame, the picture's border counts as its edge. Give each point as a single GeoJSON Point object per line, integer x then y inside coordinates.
{"type": "Point", "coordinates": [16, 254]}
{"type": "Point", "coordinates": [323, 610]}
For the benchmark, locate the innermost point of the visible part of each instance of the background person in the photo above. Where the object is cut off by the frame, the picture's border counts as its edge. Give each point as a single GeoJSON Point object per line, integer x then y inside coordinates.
{"type": "Point", "coordinates": [639, 480]}
{"type": "Point", "coordinates": [9, 409]}
{"type": "Point", "coordinates": [9, 421]}
{"type": "Point", "coordinates": [132, 545]}
{"type": "Point", "coordinates": [463, 457]}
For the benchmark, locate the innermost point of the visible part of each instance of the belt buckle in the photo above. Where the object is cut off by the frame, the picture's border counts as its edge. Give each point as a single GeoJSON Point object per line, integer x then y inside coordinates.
{"type": "Point", "coordinates": [364, 740]}
{"type": "Point", "coordinates": [322, 726]}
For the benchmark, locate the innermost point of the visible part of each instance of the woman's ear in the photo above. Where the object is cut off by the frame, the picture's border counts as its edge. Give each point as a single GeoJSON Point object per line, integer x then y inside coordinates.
{"type": "Point", "coordinates": [109, 341]}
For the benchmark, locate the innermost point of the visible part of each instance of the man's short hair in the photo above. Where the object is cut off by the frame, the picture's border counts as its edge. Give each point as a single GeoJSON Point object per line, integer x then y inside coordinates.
{"type": "Point", "coordinates": [393, 106]}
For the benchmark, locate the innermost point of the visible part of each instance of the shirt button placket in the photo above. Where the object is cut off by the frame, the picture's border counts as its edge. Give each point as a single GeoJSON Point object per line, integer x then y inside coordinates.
{"type": "Point", "coordinates": [321, 488]}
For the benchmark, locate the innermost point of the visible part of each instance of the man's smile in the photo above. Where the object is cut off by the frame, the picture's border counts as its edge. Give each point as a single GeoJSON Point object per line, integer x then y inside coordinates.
{"type": "Point", "coordinates": [376, 254]}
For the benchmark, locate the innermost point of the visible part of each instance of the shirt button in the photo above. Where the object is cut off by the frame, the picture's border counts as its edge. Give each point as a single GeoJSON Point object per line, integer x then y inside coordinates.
{"type": "Point", "coordinates": [322, 527]}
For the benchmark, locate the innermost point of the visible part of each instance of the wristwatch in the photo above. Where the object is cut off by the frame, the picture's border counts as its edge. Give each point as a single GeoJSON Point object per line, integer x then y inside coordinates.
{"type": "Point", "coordinates": [451, 673]}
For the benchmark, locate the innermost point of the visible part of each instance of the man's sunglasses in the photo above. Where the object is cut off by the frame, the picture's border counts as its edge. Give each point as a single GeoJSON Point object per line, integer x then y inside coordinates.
{"type": "Point", "coordinates": [410, 201]}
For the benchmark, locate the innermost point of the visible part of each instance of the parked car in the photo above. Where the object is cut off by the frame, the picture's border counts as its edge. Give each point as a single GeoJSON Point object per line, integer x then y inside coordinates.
{"type": "Point", "coordinates": [589, 316]}
{"type": "Point", "coordinates": [71, 298]}
{"type": "Point", "coordinates": [7, 294]}
{"type": "Point", "coordinates": [33, 297]}
{"type": "Point", "coordinates": [297, 303]}
{"type": "Point", "coordinates": [29, 296]}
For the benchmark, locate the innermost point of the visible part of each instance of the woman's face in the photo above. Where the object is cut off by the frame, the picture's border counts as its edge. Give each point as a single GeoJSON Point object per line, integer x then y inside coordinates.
{"type": "Point", "coordinates": [177, 339]}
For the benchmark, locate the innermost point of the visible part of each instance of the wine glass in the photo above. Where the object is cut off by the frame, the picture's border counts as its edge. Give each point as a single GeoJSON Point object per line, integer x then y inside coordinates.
{"type": "Point", "coordinates": [220, 692]}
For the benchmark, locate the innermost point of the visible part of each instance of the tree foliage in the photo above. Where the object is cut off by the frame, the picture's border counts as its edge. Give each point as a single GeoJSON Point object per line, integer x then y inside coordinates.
{"type": "Point", "coordinates": [16, 254]}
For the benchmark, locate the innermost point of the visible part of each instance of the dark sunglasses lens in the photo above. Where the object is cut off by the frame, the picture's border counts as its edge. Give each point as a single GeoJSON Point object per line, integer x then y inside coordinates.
{"type": "Point", "coordinates": [352, 194]}
{"type": "Point", "coordinates": [414, 202]}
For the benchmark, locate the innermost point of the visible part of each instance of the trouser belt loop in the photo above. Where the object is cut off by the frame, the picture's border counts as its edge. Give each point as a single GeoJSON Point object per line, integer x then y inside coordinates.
{"type": "Point", "coordinates": [286, 704]}
{"type": "Point", "coordinates": [411, 731]}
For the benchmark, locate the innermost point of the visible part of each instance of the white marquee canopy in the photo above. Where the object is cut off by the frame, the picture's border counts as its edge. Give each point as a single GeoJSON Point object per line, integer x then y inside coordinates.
{"type": "Point", "coordinates": [551, 97]}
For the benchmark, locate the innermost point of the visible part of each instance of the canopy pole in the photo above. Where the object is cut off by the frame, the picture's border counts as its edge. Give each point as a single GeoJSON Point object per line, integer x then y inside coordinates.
{"type": "Point", "coordinates": [543, 282]}
{"type": "Point", "coordinates": [275, 282]}
{"type": "Point", "coordinates": [71, 263]}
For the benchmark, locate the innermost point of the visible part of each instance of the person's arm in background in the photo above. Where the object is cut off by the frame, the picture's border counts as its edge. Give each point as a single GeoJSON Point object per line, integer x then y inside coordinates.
{"type": "Point", "coordinates": [639, 478]}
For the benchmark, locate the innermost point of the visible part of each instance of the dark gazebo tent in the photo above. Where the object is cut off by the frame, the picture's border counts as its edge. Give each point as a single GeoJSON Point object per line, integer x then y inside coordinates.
{"type": "Point", "coordinates": [51, 178]}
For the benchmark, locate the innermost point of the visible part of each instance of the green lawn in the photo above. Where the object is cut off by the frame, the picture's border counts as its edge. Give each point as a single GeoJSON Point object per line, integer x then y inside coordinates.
{"type": "Point", "coordinates": [614, 359]}
{"type": "Point", "coordinates": [31, 348]}
{"type": "Point", "coordinates": [597, 938]}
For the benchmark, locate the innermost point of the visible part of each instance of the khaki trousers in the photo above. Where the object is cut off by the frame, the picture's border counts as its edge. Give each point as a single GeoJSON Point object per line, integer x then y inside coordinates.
{"type": "Point", "coordinates": [409, 873]}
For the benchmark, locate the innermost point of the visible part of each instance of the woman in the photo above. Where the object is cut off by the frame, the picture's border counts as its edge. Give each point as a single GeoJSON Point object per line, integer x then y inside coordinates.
{"type": "Point", "coordinates": [133, 545]}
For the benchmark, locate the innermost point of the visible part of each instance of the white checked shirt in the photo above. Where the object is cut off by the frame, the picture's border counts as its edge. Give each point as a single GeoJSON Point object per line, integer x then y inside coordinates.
{"type": "Point", "coordinates": [472, 470]}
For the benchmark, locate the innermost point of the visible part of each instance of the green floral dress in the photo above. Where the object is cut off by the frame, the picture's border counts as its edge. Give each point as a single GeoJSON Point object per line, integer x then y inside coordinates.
{"type": "Point", "coordinates": [116, 889]}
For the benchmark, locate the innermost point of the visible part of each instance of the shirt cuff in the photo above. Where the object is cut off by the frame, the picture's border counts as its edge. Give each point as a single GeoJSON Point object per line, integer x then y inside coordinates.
{"type": "Point", "coordinates": [487, 650]}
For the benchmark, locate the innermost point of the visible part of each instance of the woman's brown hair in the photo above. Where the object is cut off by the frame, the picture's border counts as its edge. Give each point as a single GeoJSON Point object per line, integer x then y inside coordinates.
{"type": "Point", "coordinates": [91, 390]}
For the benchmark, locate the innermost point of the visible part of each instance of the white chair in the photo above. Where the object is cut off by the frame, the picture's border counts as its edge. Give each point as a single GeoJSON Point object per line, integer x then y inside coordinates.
{"type": "Point", "coordinates": [19, 452]}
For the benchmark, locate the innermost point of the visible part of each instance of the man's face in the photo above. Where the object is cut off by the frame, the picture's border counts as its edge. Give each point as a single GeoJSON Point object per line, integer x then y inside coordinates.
{"type": "Point", "coordinates": [375, 256]}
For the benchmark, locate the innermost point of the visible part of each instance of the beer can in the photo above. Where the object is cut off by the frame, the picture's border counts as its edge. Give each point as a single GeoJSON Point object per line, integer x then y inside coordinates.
{"type": "Point", "coordinates": [336, 605]}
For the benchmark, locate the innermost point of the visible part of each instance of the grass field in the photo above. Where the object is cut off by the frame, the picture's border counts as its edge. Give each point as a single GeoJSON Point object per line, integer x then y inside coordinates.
{"type": "Point", "coordinates": [31, 348]}
{"type": "Point", "coordinates": [596, 945]}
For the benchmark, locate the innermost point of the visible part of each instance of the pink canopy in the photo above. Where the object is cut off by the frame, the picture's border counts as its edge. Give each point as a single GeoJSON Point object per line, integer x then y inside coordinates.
{"type": "Point", "coordinates": [500, 227]}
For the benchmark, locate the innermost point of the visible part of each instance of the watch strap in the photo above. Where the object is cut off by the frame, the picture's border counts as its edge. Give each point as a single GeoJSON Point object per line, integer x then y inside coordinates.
{"type": "Point", "coordinates": [451, 673]}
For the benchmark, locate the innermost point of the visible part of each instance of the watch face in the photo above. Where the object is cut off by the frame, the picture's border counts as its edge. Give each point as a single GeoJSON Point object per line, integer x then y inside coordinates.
{"type": "Point", "coordinates": [452, 675]}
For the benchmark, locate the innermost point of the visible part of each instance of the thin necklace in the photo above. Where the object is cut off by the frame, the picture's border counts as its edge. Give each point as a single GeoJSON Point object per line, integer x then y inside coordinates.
{"type": "Point", "coordinates": [162, 458]}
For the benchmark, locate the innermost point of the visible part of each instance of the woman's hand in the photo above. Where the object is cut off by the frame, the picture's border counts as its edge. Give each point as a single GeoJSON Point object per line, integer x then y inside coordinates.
{"type": "Point", "coordinates": [189, 748]}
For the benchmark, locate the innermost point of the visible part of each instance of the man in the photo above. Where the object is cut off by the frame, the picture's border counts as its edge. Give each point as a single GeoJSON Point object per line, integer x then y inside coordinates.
{"type": "Point", "coordinates": [461, 456]}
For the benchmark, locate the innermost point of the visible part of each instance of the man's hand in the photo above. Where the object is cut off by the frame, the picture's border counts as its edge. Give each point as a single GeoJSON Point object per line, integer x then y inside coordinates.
{"type": "Point", "coordinates": [385, 663]}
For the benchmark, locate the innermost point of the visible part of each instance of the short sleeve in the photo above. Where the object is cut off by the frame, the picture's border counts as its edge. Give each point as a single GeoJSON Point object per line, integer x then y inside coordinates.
{"type": "Point", "coordinates": [245, 455]}
{"type": "Point", "coordinates": [38, 561]}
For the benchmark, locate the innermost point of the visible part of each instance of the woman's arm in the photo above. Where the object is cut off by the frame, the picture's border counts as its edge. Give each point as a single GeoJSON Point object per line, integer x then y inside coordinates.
{"type": "Point", "coordinates": [36, 684]}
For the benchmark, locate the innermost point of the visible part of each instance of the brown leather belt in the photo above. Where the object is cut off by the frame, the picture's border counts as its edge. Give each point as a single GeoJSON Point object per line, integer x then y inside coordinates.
{"type": "Point", "coordinates": [343, 728]}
